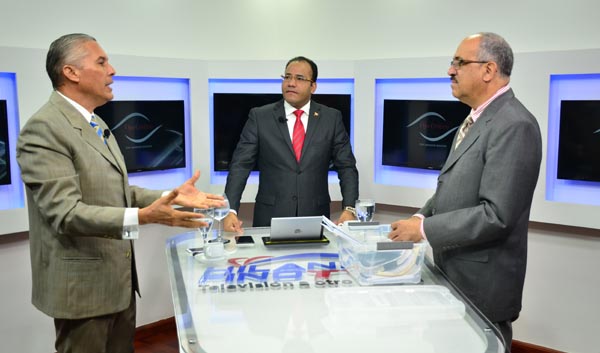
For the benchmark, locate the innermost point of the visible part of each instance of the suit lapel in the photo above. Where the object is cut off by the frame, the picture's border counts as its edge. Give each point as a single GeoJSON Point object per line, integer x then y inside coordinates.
{"type": "Point", "coordinates": [475, 131]}
{"type": "Point", "coordinates": [313, 123]}
{"type": "Point", "coordinates": [280, 122]}
{"type": "Point", "coordinates": [87, 133]}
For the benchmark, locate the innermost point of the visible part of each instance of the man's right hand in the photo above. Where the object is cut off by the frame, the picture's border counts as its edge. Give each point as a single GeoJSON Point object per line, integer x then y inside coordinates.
{"type": "Point", "coordinates": [232, 224]}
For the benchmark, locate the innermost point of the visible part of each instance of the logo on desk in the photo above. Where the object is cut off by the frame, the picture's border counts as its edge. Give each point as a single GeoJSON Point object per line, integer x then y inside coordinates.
{"type": "Point", "coordinates": [274, 272]}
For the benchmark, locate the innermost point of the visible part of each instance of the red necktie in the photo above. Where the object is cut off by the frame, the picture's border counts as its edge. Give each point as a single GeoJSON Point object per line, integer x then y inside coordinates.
{"type": "Point", "coordinates": [298, 135]}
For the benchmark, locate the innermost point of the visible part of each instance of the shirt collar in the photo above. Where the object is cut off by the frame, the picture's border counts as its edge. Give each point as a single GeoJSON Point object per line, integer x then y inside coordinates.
{"type": "Point", "coordinates": [87, 115]}
{"type": "Point", "coordinates": [289, 110]}
{"type": "Point", "coordinates": [475, 113]}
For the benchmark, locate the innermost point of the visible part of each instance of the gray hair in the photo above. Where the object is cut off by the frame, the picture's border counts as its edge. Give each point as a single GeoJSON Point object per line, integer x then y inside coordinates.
{"type": "Point", "coordinates": [66, 50]}
{"type": "Point", "coordinates": [494, 48]}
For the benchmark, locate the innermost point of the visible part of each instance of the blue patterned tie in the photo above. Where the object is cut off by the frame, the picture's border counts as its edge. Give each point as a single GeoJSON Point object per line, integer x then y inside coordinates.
{"type": "Point", "coordinates": [97, 127]}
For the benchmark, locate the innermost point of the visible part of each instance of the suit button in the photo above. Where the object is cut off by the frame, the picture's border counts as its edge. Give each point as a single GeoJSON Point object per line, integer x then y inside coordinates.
{"type": "Point", "coordinates": [295, 198]}
{"type": "Point", "coordinates": [128, 254]}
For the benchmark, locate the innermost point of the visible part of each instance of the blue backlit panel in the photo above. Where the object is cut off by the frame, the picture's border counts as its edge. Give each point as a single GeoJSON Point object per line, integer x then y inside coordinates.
{"type": "Point", "coordinates": [11, 195]}
{"type": "Point", "coordinates": [127, 88]}
{"type": "Point", "coordinates": [577, 87]}
{"type": "Point", "coordinates": [268, 86]}
{"type": "Point", "coordinates": [405, 89]}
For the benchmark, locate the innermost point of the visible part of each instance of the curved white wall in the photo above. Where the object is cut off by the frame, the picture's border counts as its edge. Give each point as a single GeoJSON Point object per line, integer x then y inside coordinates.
{"type": "Point", "coordinates": [375, 39]}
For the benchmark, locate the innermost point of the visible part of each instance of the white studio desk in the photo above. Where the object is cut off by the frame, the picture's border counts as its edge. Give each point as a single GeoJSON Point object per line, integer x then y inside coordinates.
{"type": "Point", "coordinates": [299, 300]}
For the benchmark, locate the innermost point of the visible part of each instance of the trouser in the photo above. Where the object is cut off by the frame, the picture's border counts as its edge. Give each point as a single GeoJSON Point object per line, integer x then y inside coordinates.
{"type": "Point", "coordinates": [112, 333]}
{"type": "Point", "coordinates": [505, 328]}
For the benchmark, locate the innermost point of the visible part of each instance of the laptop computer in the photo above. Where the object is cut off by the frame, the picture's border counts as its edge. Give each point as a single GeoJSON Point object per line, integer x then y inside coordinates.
{"type": "Point", "coordinates": [296, 231]}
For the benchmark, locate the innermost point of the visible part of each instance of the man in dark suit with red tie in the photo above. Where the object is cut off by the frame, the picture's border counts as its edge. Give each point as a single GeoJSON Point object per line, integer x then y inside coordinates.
{"type": "Point", "coordinates": [293, 142]}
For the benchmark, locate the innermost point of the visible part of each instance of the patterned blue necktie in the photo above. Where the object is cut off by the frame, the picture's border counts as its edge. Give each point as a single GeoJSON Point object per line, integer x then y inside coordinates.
{"type": "Point", "coordinates": [97, 127]}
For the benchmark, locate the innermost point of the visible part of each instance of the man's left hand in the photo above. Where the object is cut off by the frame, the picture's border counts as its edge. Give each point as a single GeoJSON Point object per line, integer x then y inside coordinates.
{"type": "Point", "coordinates": [346, 216]}
{"type": "Point", "coordinates": [189, 196]}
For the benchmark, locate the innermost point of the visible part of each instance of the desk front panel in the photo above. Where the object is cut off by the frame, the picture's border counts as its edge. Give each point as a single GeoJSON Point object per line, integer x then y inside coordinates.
{"type": "Point", "coordinates": [299, 299]}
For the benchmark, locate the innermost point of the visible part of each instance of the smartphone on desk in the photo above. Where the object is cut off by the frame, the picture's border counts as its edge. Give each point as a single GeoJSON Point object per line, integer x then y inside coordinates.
{"type": "Point", "coordinates": [244, 241]}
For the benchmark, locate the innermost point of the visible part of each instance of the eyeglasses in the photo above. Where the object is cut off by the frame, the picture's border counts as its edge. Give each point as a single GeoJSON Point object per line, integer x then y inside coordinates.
{"type": "Point", "coordinates": [458, 63]}
{"type": "Point", "coordinates": [298, 78]}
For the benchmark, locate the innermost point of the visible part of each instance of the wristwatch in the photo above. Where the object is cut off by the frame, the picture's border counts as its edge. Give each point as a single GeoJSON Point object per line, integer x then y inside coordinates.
{"type": "Point", "coordinates": [351, 210]}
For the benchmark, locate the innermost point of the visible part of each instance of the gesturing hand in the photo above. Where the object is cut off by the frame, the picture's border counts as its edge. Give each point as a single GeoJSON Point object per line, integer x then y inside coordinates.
{"type": "Point", "coordinates": [161, 211]}
{"type": "Point", "coordinates": [189, 196]}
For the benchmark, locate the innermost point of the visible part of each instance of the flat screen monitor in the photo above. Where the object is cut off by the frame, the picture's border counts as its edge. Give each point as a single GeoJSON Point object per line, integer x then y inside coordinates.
{"type": "Point", "coordinates": [151, 134]}
{"type": "Point", "coordinates": [419, 133]}
{"type": "Point", "coordinates": [230, 113]}
{"type": "Point", "coordinates": [4, 150]}
{"type": "Point", "coordinates": [579, 140]}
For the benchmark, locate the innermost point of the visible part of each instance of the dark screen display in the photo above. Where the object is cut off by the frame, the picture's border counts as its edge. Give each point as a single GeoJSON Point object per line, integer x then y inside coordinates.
{"type": "Point", "coordinates": [151, 134]}
{"type": "Point", "coordinates": [230, 113]}
{"type": "Point", "coordinates": [4, 150]}
{"type": "Point", "coordinates": [579, 140]}
{"type": "Point", "coordinates": [419, 133]}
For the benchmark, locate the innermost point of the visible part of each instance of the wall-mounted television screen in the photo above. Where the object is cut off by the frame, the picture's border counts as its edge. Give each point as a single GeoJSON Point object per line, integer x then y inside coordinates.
{"type": "Point", "coordinates": [151, 134]}
{"type": "Point", "coordinates": [579, 140]}
{"type": "Point", "coordinates": [230, 113]}
{"type": "Point", "coordinates": [4, 150]}
{"type": "Point", "coordinates": [419, 133]}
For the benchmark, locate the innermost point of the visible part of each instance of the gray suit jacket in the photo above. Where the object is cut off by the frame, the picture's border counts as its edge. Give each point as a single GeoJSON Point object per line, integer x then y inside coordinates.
{"type": "Point", "coordinates": [478, 217]}
{"type": "Point", "coordinates": [77, 190]}
{"type": "Point", "coordinates": [288, 188]}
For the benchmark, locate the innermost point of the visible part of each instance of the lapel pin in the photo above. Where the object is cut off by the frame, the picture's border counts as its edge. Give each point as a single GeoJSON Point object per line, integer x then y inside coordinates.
{"type": "Point", "coordinates": [316, 114]}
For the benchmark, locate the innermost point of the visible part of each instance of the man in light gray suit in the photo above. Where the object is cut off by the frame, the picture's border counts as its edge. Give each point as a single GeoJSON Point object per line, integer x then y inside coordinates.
{"type": "Point", "coordinates": [476, 222]}
{"type": "Point", "coordinates": [82, 211]}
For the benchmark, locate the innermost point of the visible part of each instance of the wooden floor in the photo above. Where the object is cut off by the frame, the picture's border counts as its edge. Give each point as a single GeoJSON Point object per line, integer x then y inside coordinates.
{"type": "Point", "coordinates": [159, 337]}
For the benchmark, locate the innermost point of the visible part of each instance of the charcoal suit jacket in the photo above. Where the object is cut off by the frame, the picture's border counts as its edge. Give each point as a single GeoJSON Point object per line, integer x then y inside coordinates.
{"type": "Point", "coordinates": [477, 220]}
{"type": "Point", "coordinates": [286, 187]}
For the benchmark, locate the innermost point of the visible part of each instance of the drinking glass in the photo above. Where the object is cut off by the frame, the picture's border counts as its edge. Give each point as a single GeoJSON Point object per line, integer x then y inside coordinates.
{"type": "Point", "coordinates": [220, 213]}
{"type": "Point", "coordinates": [208, 215]}
{"type": "Point", "coordinates": [365, 208]}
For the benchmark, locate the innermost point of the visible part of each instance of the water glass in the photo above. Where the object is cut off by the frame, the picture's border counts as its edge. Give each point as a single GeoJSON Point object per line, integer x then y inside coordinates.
{"type": "Point", "coordinates": [365, 209]}
{"type": "Point", "coordinates": [208, 215]}
{"type": "Point", "coordinates": [220, 213]}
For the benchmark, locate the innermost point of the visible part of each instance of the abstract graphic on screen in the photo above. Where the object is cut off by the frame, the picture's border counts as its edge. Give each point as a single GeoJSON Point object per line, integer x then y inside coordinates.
{"type": "Point", "coordinates": [4, 151]}
{"type": "Point", "coordinates": [579, 140]}
{"type": "Point", "coordinates": [419, 133]}
{"type": "Point", "coordinates": [151, 134]}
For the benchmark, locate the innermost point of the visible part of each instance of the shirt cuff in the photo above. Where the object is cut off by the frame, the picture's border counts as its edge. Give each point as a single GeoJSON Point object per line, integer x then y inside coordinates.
{"type": "Point", "coordinates": [420, 216]}
{"type": "Point", "coordinates": [131, 224]}
{"type": "Point", "coordinates": [233, 211]}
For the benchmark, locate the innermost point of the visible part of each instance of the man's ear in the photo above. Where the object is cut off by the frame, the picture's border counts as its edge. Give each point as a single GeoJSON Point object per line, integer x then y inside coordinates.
{"type": "Point", "coordinates": [491, 69]}
{"type": "Point", "coordinates": [71, 73]}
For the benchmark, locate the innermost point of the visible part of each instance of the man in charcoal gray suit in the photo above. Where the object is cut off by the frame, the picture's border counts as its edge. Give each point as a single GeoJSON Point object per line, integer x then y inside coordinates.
{"type": "Point", "coordinates": [293, 177]}
{"type": "Point", "coordinates": [477, 220]}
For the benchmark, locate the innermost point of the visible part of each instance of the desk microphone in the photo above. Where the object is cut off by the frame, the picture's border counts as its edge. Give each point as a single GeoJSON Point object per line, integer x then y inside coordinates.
{"type": "Point", "coordinates": [106, 134]}
{"type": "Point", "coordinates": [282, 120]}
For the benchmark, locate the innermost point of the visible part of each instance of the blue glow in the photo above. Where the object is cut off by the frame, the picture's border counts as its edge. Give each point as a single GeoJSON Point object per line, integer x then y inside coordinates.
{"type": "Point", "coordinates": [158, 88]}
{"type": "Point", "coordinates": [568, 87]}
{"type": "Point", "coordinates": [405, 88]}
{"type": "Point", "coordinates": [12, 195]}
{"type": "Point", "coordinates": [325, 85]}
